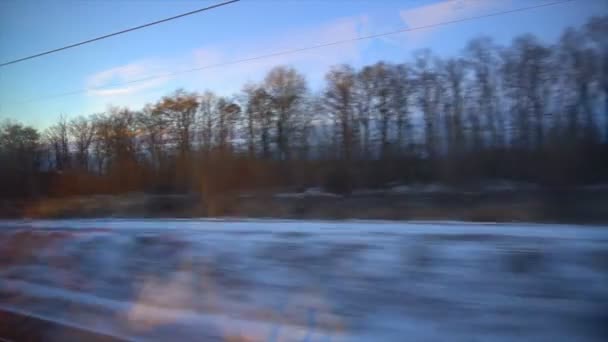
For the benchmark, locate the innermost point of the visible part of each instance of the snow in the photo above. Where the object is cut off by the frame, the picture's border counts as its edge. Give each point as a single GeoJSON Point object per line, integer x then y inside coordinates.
{"type": "Point", "coordinates": [419, 188]}
{"type": "Point", "coordinates": [487, 186]}
{"type": "Point", "coordinates": [310, 192]}
{"type": "Point", "coordinates": [288, 280]}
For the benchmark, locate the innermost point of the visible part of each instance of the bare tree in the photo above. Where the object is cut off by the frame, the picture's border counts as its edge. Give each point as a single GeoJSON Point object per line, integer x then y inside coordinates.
{"type": "Point", "coordinates": [115, 141]}
{"type": "Point", "coordinates": [378, 96]}
{"type": "Point", "coordinates": [57, 137]}
{"type": "Point", "coordinates": [576, 82]}
{"type": "Point", "coordinates": [526, 77]}
{"type": "Point", "coordinates": [364, 102]}
{"type": "Point", "coordinates": [287, 91]}
{"type": "Point", "coordinates": [383, 94]}
{"type": "Point", "coordinates": [259, 119]}
{"type": "Point", "coordinates": [403, 89]}
{"type": "Point", "coordinates": [207, 121]}
{"type": "Point", "coordinates": [82, 132]}
{"type": "Point", "coordinates": [180, 109]}
{"type": "Point", "coordinates": [227, 115]}
{"type": "Point", "coordinates": [19, 159]}
{"type": "Point", "coordinates": [455, 72]}
{"type": "Point", "coordinates": [429, 90]}
{"type": "Point", "coordinates": [482, 57]}
{"type": "Point", "coordinates": [153, 130]}
{"type": "Point", "coordinates": [339, 101]}
{"type": "Point", "coordinates": [597, 31]}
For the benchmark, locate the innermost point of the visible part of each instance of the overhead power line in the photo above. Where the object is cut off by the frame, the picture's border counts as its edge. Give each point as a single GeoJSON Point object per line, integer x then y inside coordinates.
{"type": "Point", "coordinates": [118, 33]}
{"type": "Point", "coordinates": [312, 47]}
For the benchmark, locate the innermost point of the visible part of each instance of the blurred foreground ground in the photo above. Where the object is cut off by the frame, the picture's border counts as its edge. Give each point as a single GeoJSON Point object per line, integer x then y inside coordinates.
{"type": "Point", "coordinates": [281, 280]}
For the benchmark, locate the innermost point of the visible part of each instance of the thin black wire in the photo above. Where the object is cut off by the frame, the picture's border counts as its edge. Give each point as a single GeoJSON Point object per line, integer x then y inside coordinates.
{"type": "Point", "coordinates": [118, 33]}
{"type": "Point", "coordinates": [286, 52]}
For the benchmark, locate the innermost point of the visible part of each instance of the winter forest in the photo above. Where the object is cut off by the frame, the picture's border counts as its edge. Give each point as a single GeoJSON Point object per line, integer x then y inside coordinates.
{"type": "Point", "coordinates": [530, 111]}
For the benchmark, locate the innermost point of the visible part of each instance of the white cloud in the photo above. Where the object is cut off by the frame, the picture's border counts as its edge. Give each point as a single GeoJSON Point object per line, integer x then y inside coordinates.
{"type": "Point", "coordinates": [229, 78]}
{"type": "Point", "coordinates": [313, 63]}
{"type": "Point", "coordinates": [100, 84]}
{"type": "Point", "coordinates": [444, 11]}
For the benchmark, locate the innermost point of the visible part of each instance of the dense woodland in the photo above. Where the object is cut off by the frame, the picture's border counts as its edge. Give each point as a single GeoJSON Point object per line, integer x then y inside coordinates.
{"type": "Point", "coordinates": [531, 111]}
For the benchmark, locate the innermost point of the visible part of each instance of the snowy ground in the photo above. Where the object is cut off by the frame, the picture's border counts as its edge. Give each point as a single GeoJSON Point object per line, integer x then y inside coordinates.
{"type": "Point", "coordinates": [272, 280]}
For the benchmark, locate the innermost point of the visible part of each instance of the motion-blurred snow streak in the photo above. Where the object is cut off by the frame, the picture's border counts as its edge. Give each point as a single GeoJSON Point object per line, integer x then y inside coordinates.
{"type": "Point", "coordinates": [280, 280]}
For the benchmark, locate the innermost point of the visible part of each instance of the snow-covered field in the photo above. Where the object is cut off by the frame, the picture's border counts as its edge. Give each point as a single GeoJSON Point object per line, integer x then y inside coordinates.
{"type": "Point", "coordinates": [273, 280]}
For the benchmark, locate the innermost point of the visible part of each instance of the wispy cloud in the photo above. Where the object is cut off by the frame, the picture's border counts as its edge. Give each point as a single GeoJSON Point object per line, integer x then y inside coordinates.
{"type": "Point", "coordinates": [100, 83]}
{"type": "Point", "coordinates": [229, 78]}
{"type": "Point", "coordinates": [313, 63]}
{"type": "Point", "coordinates": [444, 11]}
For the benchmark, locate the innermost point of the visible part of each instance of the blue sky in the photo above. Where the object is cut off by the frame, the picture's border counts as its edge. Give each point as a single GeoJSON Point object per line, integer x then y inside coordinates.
{"type": "Point", "coordinates": [244, 29]}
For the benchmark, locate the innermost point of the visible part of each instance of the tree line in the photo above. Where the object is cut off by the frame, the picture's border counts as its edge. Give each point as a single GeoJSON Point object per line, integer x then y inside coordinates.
{"type": "Point", "coordinates": [530, 111]}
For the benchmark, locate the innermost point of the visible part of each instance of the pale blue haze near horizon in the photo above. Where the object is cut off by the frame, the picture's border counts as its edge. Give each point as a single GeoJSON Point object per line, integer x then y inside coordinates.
{"type": "Point", "coordinates": [240, 30]}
